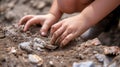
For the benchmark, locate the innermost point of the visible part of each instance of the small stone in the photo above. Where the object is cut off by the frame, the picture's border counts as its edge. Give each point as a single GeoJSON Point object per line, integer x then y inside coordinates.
{"type": "Point", "coordinates": [26, 46]}
{"type": "Point", "coordinates": [3, 8]}
{"type": "Point", "coordinates": [13, 50]}
{"type": "Point", "coordinates": [51, 47]}
{"type": "Point", "coordinates": [96, 42]}
{"type": "Point", "coordinates": [100, 57]}
{"type": "Point", "coordinates": [10, 16]}
{"type": "Point", "coordinates": [114, 50]}
{"type": "Point", "coordinates": [38, 43]}
{"type": "Point", "coordinates": [115, 62]}
{"type": "Point", "coordinates": [113, 65]}
{"type": "Point", "coordinates": [11, 5]}
{"type": "Point", "coordinates": [84, 64]}
{"type": "Point", "coordinates": [41, 5]}
{"type": "Point", "coordinates": [2, 58]}
{"type": "Point", "coordinates": [103, 59]}
{"type": "Point", "coordinates": [20, 28]}
{"type": "Point", "coordinates": [38, 5]}
{"type": "Point", "coordinates": [48, 45]}
{"type": "Point", "coordinates": [35, 59]}
{"type": "Point", "coordinates": [51, 63]}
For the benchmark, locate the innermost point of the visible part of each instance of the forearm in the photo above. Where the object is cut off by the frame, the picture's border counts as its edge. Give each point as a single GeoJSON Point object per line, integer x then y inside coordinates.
{"type": "Point", "coordinates": [97, 10]}
{"type": "Point", "coordinates": [55, 10]}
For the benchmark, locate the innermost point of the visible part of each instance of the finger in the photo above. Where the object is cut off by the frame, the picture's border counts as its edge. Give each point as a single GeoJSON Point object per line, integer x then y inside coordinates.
{"type": "Point", "coordinates": [45, 28]}
{"type": "Point", "coordinates": [57, 33]}
{"type": "Point", "coordinates": [67, 39]}
{"type": "Point", "coordinates": [25, 19]}
{"type": "Point", "coordinates": [55, 27]}
{"type": "Point", "coordinates": [63, 36]}
{"type": "Point", "coordinates": [31, 22]}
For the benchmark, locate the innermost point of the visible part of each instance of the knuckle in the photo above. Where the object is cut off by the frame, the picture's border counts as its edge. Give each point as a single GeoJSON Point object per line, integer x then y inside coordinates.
{"type": "Point", "coordinates": [53, 27]}
{"type": "Point", "coordinates": [55, 34]}
{"type": "Point", "coordinates": [70, 28]}
{"type": "Point", "coordinates": [67, 39]}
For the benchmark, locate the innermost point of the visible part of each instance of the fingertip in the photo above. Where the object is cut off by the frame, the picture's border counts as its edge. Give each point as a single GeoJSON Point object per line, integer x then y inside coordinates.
{"type": "Point", "coordinates": [24, 30]}
{"type": "Point", "coordinates": [43, 33]}
{"type": "Point", "coordinates": [19, 24]}
{"type": "Point", "coordinates": [44, 30]}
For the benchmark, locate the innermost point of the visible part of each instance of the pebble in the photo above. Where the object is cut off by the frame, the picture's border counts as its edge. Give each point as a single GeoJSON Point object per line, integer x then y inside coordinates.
{"type": "Point", "coordinates": [3, 8]}
{"type": "Point", "coordinates": [114, 50]}
{"type": "Point", "coordinates": [84, 64]}
{"type": "Point", "coordinates": [103, 59]}
{"type": "Point", "coordinates": [35, 59]}
{"type": "Point", "coordinates": [115, 62]}
{"type": "Point", "coordinates": [113, 65]}
{"type": "Point", "coordinates": [51, 47]}
{"type": "Point", "coordinates": [2, 58]}
{"type": "Point", "coordinates": [10, 16]}
{"type": "Point", "coordinates": [26, 46]}
{"type": "Point", "coordinates": [20, 28]}
{"type": "Point", "coordinates": [94, 42]}
{"type": "Point", "coordinates": [38, 5]}
{"type": "Point", "coordinates": [51, 63]}
{"type": "Point", "coordinates": [38, 43]}
{"type": "Point", "coordinates": [13, 50]}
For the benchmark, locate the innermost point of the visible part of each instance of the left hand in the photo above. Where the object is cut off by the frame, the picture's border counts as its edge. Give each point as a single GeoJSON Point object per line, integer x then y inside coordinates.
{"type": "Point", "coordinates": [68, 29]}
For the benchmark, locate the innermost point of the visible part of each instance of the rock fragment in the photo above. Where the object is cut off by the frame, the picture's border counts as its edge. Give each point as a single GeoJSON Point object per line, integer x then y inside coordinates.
{"type": "Point", "coordinates": [51, 63]}
{"type": "Point", "coordinates": [10, 16]}
{"type": "Point", "coordinates": [38, 43]}
{"type": "Point", "coordinates": [13, 50]}
{"type": "Point", "coordinates": [103, 59]}
{"type": "Point", "coordinates": [50, 46]}
{"type": "Point", "coordinates": [84, 64]}
{"type": "Point", "coordinates": [38, 5]}
{"type": "Point", "coordinates": [93, 42]}
{"type": "Point", "coordinates": [115, 62]}
{"type": "Point", "coordinates": [26, 46]}
{"type": "Point", "coordinates": [114, 50]}
{"type": "Point", "coordinates": [35, 59]}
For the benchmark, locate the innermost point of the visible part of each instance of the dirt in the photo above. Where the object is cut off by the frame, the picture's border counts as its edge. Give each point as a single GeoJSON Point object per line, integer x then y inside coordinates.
{"type": "Point", "coordinates": [11, 55]}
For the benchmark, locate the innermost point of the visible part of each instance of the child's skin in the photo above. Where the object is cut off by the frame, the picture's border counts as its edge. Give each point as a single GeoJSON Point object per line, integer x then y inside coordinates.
{"type": "Point", "coordinates": [91, 12]}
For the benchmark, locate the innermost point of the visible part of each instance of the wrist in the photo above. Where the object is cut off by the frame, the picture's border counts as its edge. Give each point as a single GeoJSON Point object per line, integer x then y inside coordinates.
{"type": "Point", "coordinates": [87, 23]}
{"type": "Point", "coordinates": [56, 15]}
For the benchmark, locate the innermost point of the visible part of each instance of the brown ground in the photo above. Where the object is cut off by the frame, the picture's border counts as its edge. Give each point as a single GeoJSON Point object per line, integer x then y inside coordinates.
{"type": "Point", "coordinates": [10, 13]}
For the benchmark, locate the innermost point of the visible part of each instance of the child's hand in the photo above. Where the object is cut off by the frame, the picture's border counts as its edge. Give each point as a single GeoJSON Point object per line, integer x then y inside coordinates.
{"type": "Point", "coordinates": [45, 20]}
{"type": "Point", "coordinates": [67, 29]}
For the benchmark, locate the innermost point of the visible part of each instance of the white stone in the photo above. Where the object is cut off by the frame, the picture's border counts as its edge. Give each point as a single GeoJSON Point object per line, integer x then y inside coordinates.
{"type": "Point", "coordinates": [35, 59]}
{"type": "Point", "coordinates": [26, 46]}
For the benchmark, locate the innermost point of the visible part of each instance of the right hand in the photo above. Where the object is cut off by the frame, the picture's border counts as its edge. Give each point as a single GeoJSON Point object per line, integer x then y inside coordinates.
{"type": "Point", "coordinates": [45, 20]}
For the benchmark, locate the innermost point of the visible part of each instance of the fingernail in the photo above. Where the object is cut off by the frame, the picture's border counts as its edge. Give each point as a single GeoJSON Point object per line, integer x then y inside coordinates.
{"type": "Point", "coordinates": [43, 33]}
